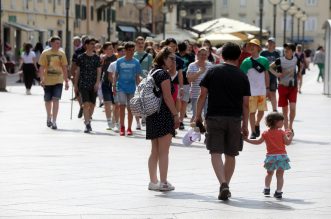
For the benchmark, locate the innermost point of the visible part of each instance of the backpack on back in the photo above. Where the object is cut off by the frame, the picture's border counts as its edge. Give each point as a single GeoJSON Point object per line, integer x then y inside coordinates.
{"type": "Point", "coordinates": [145, 102]}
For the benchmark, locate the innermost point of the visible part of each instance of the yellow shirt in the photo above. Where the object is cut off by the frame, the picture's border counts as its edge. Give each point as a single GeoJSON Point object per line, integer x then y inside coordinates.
{"type": "Point", "coordinates": [53, 62]}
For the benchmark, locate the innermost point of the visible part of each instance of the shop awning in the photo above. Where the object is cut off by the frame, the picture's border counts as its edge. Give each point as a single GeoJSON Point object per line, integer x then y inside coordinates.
{"type": "Point", "coordinates": [124, 28]}
{"type": "Point", "coordinates": [19, 26]}
{"type": "Point", "coordinates": [145, 30]}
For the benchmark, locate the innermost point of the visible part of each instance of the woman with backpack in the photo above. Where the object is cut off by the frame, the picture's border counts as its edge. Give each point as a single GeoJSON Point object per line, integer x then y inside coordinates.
{"type": "Point", "coordinates": [160, 126]}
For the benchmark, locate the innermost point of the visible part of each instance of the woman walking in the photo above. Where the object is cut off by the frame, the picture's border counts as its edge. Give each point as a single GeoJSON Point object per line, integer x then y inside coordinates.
{"type": "Point", "coordinates": [160, 126]}
{"type": "Point", "coordinates": [29, 66]}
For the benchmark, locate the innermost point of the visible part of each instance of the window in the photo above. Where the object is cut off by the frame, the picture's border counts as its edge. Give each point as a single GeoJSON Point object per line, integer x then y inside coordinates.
{"type": "Point", "coordinates": [92, 13]}
{"type": "Point", "coordinates": [311, 24]}
{"type": "Point", "coordinates": [311, 2]}
{"type": "Point", "coordinates": [225, 3]}
{"type": "Point", "coordinates": [83, 12]}
{"type": "Point", "coordinates": [77, 11]}
{"type": "Point", "coordinates": [243, 3]}
{"type": "Point", "coordinates": [203, 11]}
{"type": "Point", "coordinates": [242, 18]}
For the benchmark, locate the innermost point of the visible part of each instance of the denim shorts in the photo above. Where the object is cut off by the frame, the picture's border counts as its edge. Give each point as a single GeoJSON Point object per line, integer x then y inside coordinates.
{"type": "Point", "coordinates": [124, 98]}
{"type": "Point", "coordinates": [53, 92]}
{"type": "Point", "coordinates": [107, 92]}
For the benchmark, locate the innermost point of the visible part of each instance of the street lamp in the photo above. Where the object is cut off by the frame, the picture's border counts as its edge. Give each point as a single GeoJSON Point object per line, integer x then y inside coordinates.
{"type": "Point", "coordinates": [164, 12]}
{"type": "Point", "coordinates": [285, 6]}
{"type": "Point", "coordinates": [299, 15]}
{"type": "Point", "coordinates": [274, 4]}
{"type": "Point", "coordinates": [304, 18]}
{"type": "Point", "coordinates": [261, 19]}
{"type": "Point", "coordinates": [292, 11]}
{"type": "Point", "coordinates": [182, 14]}
{"type": "Point", "coordinates": [67, 30]}
{"type": "Point", "coordinates": [140, 5]}
{"type": "Point", "coordinates": [198, 16]}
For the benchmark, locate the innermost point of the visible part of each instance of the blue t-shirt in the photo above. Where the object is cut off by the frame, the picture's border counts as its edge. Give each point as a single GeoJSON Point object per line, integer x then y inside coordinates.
{"type": "Point", "coordinates": [126, 71]}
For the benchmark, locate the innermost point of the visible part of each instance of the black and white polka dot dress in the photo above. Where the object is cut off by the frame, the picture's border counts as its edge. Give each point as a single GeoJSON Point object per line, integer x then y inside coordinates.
{"type": "Point", "coordinates": [160, 123]}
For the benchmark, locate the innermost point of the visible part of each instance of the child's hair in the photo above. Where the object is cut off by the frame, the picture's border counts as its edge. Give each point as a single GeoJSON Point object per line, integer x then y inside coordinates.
{"type": "Point", "coordinates": [273, 118]}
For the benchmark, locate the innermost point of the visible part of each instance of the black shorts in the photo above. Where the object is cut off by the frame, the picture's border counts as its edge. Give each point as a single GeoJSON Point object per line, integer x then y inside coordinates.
{"type": "Point", "coordinates": [88, 95]}
{"type": "Point", "coordinates": [273, 83]}
{"type": "Point", "coordinates": [224, 135]}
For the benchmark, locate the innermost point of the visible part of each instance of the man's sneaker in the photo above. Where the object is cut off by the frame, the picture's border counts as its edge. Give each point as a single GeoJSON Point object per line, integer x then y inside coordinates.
{"type": "Point", "coordinates": [80, 113]}
{"type": "Point", "coordinates": [257, 130]}
{"type": "Point", "coordinates": [224, 192]}
{"type": "Point", "coordinates": [253, 136]}
{"type": "Point", "coordinates": [110, 125]}
{"type": "Point", "coordinates": [154, 186]}
{"type": "Point", "coordinates": [116, 127]}
{"type": "Point", "coordinates": [181, 126]}
{"type": "Point", "coordinates": [138, 127]}
{"type": "Point", "coordinates": [122, 131]}
{"type": "Point", "coordinates": [54, 126]}
{"type": "Point", "coordinates": [278, 195]}
{"type": "Point", "coordinates": [28, 92]}
{"type": "Point", "coordinates": [49, 123]}
{"type": "Point", "coordinates": [129, 131]}
{"type": "Point", "coordinates": [166, 186]}
{"type": "Point", "coordinates": [88, 128]}
{"type": "Point", "coordinates": [266, 192]}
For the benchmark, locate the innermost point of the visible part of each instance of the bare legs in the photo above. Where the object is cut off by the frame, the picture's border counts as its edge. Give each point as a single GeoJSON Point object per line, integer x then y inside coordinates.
{"type": "Point", "coordinates": [52, 109]}
{"type": "Point", "coordinates": [289, 117]}
{"type": "Point", "coordinates": [122, 116]}
{"type": "Point", "coordinates": [159, 156]}
{"type": "Point", "coordinates": [88, 109]}
{"type": "Point", "coordinates": [222, 171]}
{"type": "Point", "coordinates": [255, 122]}
{"type": "Point", "coordinates": [279, 177]}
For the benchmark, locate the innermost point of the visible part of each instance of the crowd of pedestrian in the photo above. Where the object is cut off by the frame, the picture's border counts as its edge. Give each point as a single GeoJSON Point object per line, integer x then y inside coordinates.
{"type": "Point", "coordinates": [225, 88]}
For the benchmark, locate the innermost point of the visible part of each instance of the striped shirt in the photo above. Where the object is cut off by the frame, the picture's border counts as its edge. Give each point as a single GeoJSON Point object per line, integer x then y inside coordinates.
{"type": "Point", "coordinates": [193, 68]}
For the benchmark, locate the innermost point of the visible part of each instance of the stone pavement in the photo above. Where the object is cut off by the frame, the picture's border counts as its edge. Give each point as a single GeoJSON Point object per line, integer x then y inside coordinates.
{"type": "Point", "coordinates": [69, 174]}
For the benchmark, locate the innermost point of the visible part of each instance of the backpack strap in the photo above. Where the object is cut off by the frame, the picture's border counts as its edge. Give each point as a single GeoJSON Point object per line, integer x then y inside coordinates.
{"type": "Point", "coordinates": [142, 59]}
{"type": "Point", "coordinates": [257, 66]}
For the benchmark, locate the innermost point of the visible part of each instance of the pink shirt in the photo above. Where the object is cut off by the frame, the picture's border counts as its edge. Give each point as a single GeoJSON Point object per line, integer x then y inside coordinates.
{"type": "Point", "coordinates": [274, 139]}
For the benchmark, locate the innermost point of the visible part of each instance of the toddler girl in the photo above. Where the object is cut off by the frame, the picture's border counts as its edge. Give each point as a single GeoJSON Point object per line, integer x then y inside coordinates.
{"type": "Point", "coordinates": [276, 158]}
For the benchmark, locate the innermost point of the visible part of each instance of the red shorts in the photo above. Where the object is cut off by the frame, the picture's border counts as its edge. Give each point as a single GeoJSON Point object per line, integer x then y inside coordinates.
{"type": "Point", "coordinates": [175, 94]}
{"type": "Point", "coordinates": [287, 95]}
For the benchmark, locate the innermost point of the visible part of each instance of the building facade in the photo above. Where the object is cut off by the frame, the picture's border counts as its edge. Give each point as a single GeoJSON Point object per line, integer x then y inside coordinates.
{"type": "Point", "coordinates": [318, 11]}
{"type": "Point", "coordinates": [32, 21]}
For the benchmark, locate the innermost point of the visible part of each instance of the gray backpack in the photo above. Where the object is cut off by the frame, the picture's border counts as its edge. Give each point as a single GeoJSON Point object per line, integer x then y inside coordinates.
{"type": "Point", "coordinates": [145, 102]}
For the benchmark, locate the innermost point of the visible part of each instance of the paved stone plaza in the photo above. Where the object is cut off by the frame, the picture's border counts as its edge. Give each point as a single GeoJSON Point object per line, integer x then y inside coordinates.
{"type": "Point", "coordinates": [69, 174]}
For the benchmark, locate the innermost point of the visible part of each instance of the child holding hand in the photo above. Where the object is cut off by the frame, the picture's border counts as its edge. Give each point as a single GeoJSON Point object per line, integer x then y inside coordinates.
{"type": "Point", "coordinates": [276, 158]}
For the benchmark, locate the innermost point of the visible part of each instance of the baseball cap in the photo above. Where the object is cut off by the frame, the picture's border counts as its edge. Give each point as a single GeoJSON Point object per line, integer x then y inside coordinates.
{"type": "Point", "coordinates": [255, 42]}
{"type": "Point", "coordinates": [290, 46]}
{"type": "Point", "coordinates": [272, 39]}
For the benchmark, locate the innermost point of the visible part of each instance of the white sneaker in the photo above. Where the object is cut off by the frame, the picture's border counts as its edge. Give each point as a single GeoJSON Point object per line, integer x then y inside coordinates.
{"type": "Point", "coordinates": [166, 187]}
{"type": "Point", "coordinates": [154, 186]}
{"type": "Point", "coordinates": [138, 127]}
{"type": "Point", "coordinates": [116, 128]}
{"type": "Point", "coordinates": [110, 125]}
{"type": "Point", "coordinates": [28, 92]}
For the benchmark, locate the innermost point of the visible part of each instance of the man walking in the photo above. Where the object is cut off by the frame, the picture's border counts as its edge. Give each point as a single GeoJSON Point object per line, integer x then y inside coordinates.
{"type": "Point", "coordinates": [126, 78]}
{"type": "Point", "coordinates": [146, 61]}
{"type": "Point", "coordinates": [228, 94]}
{"type": "Point", "coordinates": [53, 71]}
{"type": "Point", "coordinates": [271, 54]}
{"type": "Point", "coordinates": [288, 83]}
{"type": "Point", "coordinates": [256, 67]}
{"type": "Point", "coordinates": [87, 80]}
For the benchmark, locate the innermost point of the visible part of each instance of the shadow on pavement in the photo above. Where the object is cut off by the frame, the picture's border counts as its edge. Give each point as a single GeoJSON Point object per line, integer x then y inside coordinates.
{"type": "Point", "coordinates": [257, 204]}
{"type": "Point", "coordinates": [312, 142]}
{"type": "Point", "coordinates": [187, 195]}
{"type": "Point", "coordinates": [183, 146]}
